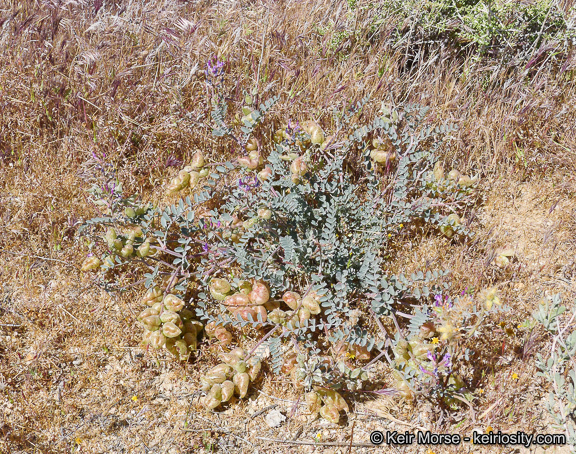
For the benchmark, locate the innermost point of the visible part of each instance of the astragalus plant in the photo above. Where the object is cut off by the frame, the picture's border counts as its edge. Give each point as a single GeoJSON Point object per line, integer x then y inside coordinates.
{"type": "Point", "coordinates": [293, 238]}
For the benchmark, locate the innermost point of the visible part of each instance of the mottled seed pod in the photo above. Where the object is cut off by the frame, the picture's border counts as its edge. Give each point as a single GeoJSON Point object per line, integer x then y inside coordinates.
{"type": "Point", "coordinates": [310, 303]}
{"type": "Point", "coordinates": [187, 315]}
{"type": "Point", "coordinates": [117, 244]}
{"type": "Point", "coordinates": [152, 296]}
{"type": "Point", "coordinates": [265, 173]}
{"type": "Point", "coordinates": [303, 315]}
{"type": "Point", "coordinates": [205, 385]}
{"type": "Point", "coordinates": [292, 299]}
{"type": "Point", "coordinates": [191, 341]}
{"type": "Point", "coordinates": [171, 330]}
{"type": "Point", "coordinates": [204, 173]}
{"type": "Point", "coordinates": [245, 287]}
{"type": "Point", "coordinates": [210, 403]}
{"type": "Point", "coordinates": [180, 182]}
{"type": "Point", "coordinates": [173, 303]}
{"type": "Point", "coordinates": [454, 175]}
{"type": "Point", "coordinates": [148, 312]}
{"type": "Point", "coordinates": [91, 263]}
{"type": "Point", "coordinates": [241, 381]}
{"type": "Point", "coordinates": [330, 413]}
{"type": "Point", "coordinates": [465, 181]}
{"type": "Point", "coordinates": [127, 251]}
{"type": "Point", "coordinates": [223, 336]}
{"type": "Point", "coordinates": [254, 367]}
{"type": "Point", "coordinates": [277, 316]}
{"type": "Point", "coordinates": [146, 338]}
{"type": "Point", "coordinates": [260, 293]}
{"type": "Point", "coordinates": [157, 339]}
{"type": "Point", "coordinates": [420, 349]}
{"type": "Point", "coordinates": [272, 305]}
{"type": "Point", "coordinates": [218, 373]}
{"type": "Point", "coordinates": [111, 237]}
{"type": "Point", "coordinates": [313, 402]}
{"type": "Point", "coordinates": [227, 390]}
{"type": "Point", "coordinates": [245, 161]}
{"type": "Point", "coordinates": [454, 219]}
{"type": "Point", "coordinates": [240, 366]}
{"type": "Point", "coordinates": [151, 323]}
{"type": "Point", "coordinates": [158, 307]}
{"type": "Point", "coordinates": [248, 224]}
{"type": "Point", "coordinates": [427, 330]}
{"type": "Point", "coordinates": [298, 166]}
{"type": "Point", "coordinates": [331, 397]}
{"type": "Point", "coordinates": [265, 213]}
{"type": "Point", "coordinates": [197, 161]}
{"type": "Point", "coordinates": [216, 392]}
{"type": "Point", "coordinates": [210, 329]}
{"type": "Point", "coordinates": [252, 144]}
{"type": "Point", "coordinates": [290, 362]}
{"type": "Point", "coordinates": [130, 212]}
{"type": "Point", "coordinates": [171, 317]}
{"type": "Point", "coordinates": [438, 171]}
{"type": "Point", "coordinates": [238, 299]}
{"type": "Point", "coordinates": [144, 249]}
{"type": "Point", "coordinates": [219, 288]}
{"type": "Point", "coordinates": [317, 136]}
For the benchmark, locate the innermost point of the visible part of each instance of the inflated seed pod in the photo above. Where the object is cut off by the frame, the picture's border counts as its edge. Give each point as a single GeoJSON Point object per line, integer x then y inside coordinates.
{"type": "Point", "coordinates": [331, 397]}
{"type": "Point", "coordinates": [238, 299]}
{"type": "Point", "coordinates": [298, 166]}
{"type": "Point", "coordinates": [144, 249]}
{"type": "Point", "coordinates": [197, 161]}
{"type": "Point", "coordinates": [361, 353]}
{"type": "Point", "coordinates": [245, 287]}
{"type": "Point", "coordinates": [204, 173]}
{"type": "Point", "coordinates": [216, 392]}
{"type": "Point", "coordinates": [146, 338]}
{"type": "Point", "coordinates": [330, 413]}
{"type": "Point", "coordinates": [241, 382]}
{"type": "Point", "coordinates": [153, 295]}
{"type": "Point", "coordinates": [419, 349]}
{"type": "Point", "coordinates": [244, 312]}
{"type": "Point", "coordinates": [277, 316]}
{"type": "Point", "coordinates": [256, 156]}
{"type": "Point", "coordinates": [218, 373]}
{"type": "Point", "coordinates": [454, 219]}
{"type": "Point", "coordinates": [427, 330]}
{"type": "Point", "coordinates": [157, 339]}
{"type": "Point", "coordinates": [190, 328]}
{"type": "Point", "coordinates": [187, 315]}
{"type": "Point", "coordinates": [454, 175]}
{"type": "Point", "coordinates": [127, 251]}
{"type": "Point", "coordinates": [210, 403]}
{"type": "Point", "coordinates": [290, 362]}
{"type": "Point", "coordinates": [303, 315]}
{"type": "Point", "coordinates": [158, 307]}
{"type": "Point", "coordinates": [227, 390]}
{"type": "Point", "coordinates": [438, 172]}
{"type": "Point", "coordinates": [210, 329]}
{"type": "Point", "coordinates": [317, 136]}
{"type": "Point", "coordinates": [171, 317]}
{"type": "Point", "coordinates": [265, 173]}
{"type": "Point", "coordinates": [191, 341]}
{"type": "Point", "coordinates": [313, 402]}
{"type": "Point", "coordinates": [194, 179]}
{"type": "Point", "coordinates": [245, 161]}
{"type": "Point", "coordinates": [111, 237]}
{"type": "Point", "coordinates": [401, 350]}
{"type": "Point", "coordinates": [248, 224]}
{"type": "Point", "coordinates": [380, 156]}
{"type": "Point", "coordinates": [240, 366]}
{"type": "Point", "coordinates": [230, 359]}
{"type": "Point", "coordinates": [310, 303]}
{"type": "Point", "coordinates": [171, 330]}
{"type": "Point", "coordinates": [465, 181]}
{"type": "Point", "coordinates": [238, 352]}
{"type": "Point", "coordinates": [219, 288]}
{"type": "Point", "coordinates": [147, 313]}
{"type": "Point", "coordinates": [265, 213]}
{"type": "Point", "coordinates": [130, 212]}
{"type": "Point", "coordinates": [205, 385]}
{"type": "Point", "coordinates": [180, 182]}
{"type": "Point", "coordinates": [223, 335]}
{"type": "Point", "coordinates": [260, 293]}
{"type": "Point", "coordinates": [254, 367]}
{"type": "Point", "coordinates": [117, 244]}
{"type": "Point", "coordinates": [91, 263]}
{"type": "Point", "coordinates": [292, 299]}
{"type": "Point", "coordinates": [151, 323]}
{"type": "Point", "coordinates": [173, 303]}
{"type": "Point", "coordinates": [252, 144]}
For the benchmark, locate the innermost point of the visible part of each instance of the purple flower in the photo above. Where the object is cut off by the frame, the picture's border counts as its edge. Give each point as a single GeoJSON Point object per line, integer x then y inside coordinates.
{"type": "Point", "coordinates": [205, 247]}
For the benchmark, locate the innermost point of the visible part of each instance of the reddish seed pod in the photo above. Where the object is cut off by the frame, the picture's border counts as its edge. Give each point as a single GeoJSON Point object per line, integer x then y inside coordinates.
{"type": "Point", "coordinates": [238, 299]}
{"type": "Point", "coordinates": [292, 299]}
{"type": "Point", "coordinates": [260, 293]}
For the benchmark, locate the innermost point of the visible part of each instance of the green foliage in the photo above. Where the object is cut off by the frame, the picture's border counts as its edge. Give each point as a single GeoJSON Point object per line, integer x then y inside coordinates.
{"type": "Point", "coordinates": [558, 368]}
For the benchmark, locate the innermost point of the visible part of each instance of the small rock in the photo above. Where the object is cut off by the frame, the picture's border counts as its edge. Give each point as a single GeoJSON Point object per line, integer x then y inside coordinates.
{"type": "Point", "coordinates": [275, 418]}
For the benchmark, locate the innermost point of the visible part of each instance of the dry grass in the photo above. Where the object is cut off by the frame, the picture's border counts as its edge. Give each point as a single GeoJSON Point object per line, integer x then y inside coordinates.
{"type": "Point", "coordinates": [127, 82]}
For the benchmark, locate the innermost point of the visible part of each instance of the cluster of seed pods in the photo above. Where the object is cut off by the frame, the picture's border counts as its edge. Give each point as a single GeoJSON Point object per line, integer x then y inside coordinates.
{"type": "Point", "coordinates": [190, 175]}
{"type": "Point", "coordinates": [326, 402]}
{"type": "Point", "coordinates": [168, 324]}
{"type": "Point", "coordinates": [230, 377]}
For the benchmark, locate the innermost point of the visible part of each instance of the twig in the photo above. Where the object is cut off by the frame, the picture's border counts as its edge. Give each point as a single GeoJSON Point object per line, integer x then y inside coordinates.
{"type": "Point", "coordinates": [264, 410]}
